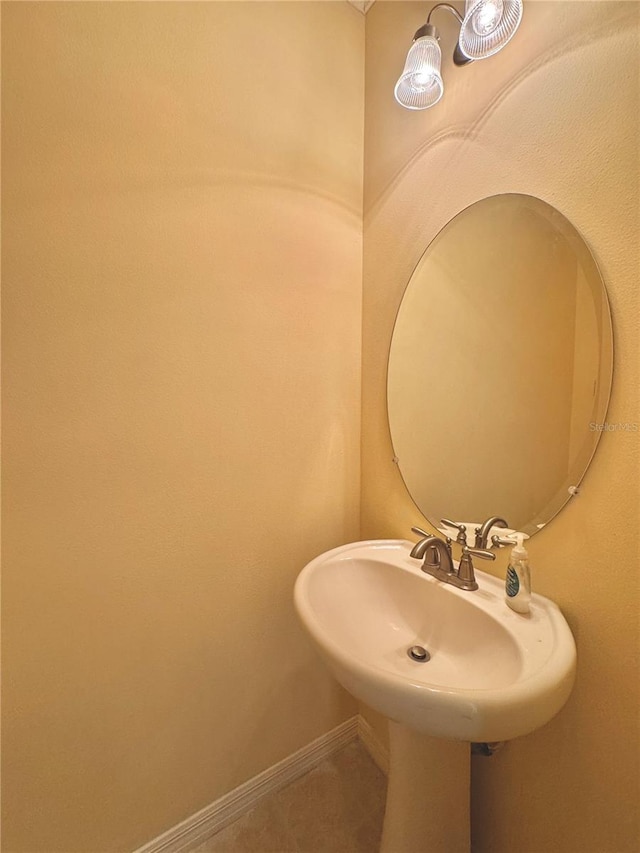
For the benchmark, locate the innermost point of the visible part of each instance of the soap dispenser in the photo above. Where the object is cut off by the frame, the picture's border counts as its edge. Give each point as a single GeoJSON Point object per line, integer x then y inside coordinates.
{"type": "Point", "coordinates": [518, 582]}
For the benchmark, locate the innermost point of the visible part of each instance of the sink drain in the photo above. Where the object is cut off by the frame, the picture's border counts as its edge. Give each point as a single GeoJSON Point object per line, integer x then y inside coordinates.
{"type": "Point", "coordinates": [418, 653]}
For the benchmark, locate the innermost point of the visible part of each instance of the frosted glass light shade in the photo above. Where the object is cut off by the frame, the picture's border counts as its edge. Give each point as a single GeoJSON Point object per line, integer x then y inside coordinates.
{"type": "Point", "coordinates": [488, 25]}
{"type": "Point", "coordinates": [420, 84]}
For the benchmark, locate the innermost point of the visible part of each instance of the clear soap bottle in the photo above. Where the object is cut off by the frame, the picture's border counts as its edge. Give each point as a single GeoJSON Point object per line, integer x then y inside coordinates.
{"type": "Point", "coordinates": [518, 582]}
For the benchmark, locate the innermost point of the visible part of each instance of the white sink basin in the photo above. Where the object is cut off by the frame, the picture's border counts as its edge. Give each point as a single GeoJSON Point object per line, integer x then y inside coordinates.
{"type": "Point", "coordinates": [493, 674]}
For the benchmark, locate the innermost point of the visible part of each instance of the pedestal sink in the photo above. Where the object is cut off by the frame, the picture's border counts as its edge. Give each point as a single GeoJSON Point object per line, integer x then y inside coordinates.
{"type": "Point", "coordinates": [489, 675]}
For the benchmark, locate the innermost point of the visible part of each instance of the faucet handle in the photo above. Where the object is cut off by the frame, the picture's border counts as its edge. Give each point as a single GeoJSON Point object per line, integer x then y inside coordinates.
{"type": "Point", "coordinates": [501, 541]}
{"type": "Point", "coordinates": [466, 575]}
{"type": "Point", "coordinates": [478, 552]}
{"type": "Point", "coordinates": [421, 532]}
{"type": "Point", "coordinates": [461, 538]}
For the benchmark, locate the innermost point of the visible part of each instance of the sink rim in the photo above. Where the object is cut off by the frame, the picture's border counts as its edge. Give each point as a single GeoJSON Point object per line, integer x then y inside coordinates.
{"type": "Point", "coordinates": [548, 680]}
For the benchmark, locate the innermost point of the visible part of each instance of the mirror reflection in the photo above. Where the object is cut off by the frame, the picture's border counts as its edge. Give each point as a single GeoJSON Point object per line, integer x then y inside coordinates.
{"type": "Point", "coordinates": [500, 366]}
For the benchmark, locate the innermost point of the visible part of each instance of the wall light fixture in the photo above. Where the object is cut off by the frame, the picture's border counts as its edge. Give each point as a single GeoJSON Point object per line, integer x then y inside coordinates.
{"type": "Point", "coordinates": [485, 29]}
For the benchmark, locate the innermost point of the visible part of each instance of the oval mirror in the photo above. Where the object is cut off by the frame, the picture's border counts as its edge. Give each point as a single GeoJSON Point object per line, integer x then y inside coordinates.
{"type": "Point", "coordinates": [500, 366]}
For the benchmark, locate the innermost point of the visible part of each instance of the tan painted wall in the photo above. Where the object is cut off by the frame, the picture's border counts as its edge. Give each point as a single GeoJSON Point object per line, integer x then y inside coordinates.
{"type": "Point", "coordinates": [182, 291]}
{"type": "Point", "coordinates": [182, 271]}
{"type": "Point", "coordinates": [557, 117]}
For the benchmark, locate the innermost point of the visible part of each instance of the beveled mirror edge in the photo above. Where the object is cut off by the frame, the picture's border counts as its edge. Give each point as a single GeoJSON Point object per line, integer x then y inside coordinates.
{"type": "Point", "coordinates": [572, 486]}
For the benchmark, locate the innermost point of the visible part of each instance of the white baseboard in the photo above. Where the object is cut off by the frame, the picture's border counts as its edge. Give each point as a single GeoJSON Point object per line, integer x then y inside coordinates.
{"type": "Point", "coordinates": [194, 830]}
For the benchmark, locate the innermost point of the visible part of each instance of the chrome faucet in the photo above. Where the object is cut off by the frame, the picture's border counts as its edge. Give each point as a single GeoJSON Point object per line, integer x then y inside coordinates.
{"type": "Point", "coordinates": [482, 532]}
{"type": "Point", "coordinates": [438, 561]}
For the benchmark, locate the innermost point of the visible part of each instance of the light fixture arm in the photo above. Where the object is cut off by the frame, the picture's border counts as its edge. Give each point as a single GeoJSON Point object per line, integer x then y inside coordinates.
{"type": "Point", "coordinates": [449, 8]}
{"type": "Point", "coordinates": [458, 56]}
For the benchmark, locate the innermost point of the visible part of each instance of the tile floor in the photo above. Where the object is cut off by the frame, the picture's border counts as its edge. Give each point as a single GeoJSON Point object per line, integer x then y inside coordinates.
{"type": "Point", "coordinates": [337, 807]}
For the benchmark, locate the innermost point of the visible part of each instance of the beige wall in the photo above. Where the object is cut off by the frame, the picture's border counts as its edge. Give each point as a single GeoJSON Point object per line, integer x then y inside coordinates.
{"type": "Point", "coordinates": [182, 291]}
{"type": "Point", "coordinates": [555, 115]}
{"type": "Point", "coordinates": [181, 224]}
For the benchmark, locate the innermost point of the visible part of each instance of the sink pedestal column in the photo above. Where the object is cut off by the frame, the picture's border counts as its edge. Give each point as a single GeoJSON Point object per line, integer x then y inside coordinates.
{"type": "Point", "coordinates": [427, 807]}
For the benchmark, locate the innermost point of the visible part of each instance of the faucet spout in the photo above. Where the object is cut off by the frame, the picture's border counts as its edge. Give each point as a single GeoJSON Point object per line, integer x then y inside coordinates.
{"type": "Point", "coordinates": [438, 561]}
{"type": "Point", "coordinates": [426, 547]}
{"type": "Point", "coordinates": [482, 532]}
